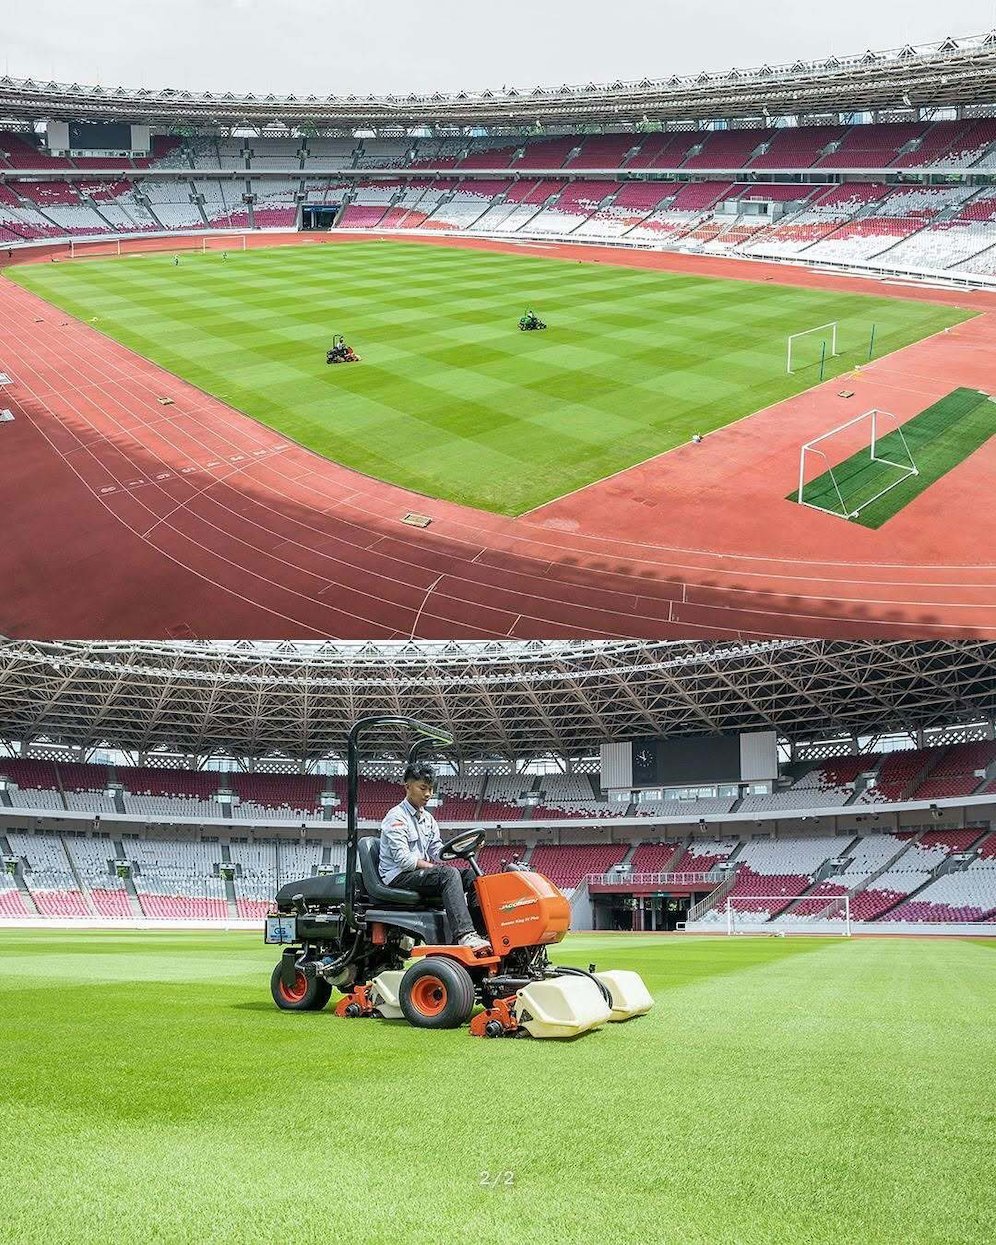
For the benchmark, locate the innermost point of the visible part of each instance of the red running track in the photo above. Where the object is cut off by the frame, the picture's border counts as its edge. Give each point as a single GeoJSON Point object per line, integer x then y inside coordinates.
{"type": "Point", "coordinates": [125, 518]}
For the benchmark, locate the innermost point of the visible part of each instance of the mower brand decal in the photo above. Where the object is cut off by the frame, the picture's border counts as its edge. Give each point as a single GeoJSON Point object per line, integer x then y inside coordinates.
{"type": "Point", "coordinates": [516, 903]}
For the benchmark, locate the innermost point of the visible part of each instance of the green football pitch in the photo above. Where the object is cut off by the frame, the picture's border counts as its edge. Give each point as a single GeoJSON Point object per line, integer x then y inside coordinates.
{"type": "Point", "coordinates": [450, 398]}
{"type": "Point", "coordinates": [782, 1090]}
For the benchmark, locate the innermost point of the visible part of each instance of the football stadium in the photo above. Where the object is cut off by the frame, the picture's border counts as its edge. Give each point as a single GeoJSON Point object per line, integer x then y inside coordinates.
{"type": "Point", "coordinates": [739, 900]}
{"type": "Point", "coordinates": [700, 356]}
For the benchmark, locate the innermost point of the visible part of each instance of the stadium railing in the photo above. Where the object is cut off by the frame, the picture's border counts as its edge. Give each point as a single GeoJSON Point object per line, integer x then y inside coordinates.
{"type": "Point", "coordinates": [622, 878]}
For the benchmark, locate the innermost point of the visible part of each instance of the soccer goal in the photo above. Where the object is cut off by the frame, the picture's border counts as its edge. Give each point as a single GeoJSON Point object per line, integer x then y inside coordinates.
{"type": "Point", "coordinates": [772, 915]}
{"type": "Point", "coordinates": [223, 242]}
{"type": "Point", "coordinates": [846, 488]}
{"type": "Point", "coordinates": [796, 345]}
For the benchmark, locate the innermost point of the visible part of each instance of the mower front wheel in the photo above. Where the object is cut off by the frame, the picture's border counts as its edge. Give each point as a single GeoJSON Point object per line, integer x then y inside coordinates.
{"type": "Point", "coordinates": [307, 994]}
{"type": "Point", "coordinates": [437, 993]}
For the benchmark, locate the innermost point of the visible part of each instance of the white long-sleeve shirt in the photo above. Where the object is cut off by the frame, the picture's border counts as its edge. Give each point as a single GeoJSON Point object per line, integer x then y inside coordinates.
{"type": "Point", "coordinates": [407, 835]}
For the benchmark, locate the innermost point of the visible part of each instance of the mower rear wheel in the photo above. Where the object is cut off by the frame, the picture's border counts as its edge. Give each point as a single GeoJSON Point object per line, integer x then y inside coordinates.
{"type": "Point", "coordinates": [437, 993]}
{"type": "Point", "coordinates": [307, 994]}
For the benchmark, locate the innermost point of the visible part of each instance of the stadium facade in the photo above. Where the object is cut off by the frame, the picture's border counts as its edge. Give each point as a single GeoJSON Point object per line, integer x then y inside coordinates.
{"type": "Point", "coordinates": [767, 784]}
{"type": "Point", "coordinates": [880, 162]}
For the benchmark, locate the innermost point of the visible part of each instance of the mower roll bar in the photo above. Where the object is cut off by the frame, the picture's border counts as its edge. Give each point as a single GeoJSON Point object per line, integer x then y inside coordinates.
{"type": "Point", "coordinates": [426, 734]}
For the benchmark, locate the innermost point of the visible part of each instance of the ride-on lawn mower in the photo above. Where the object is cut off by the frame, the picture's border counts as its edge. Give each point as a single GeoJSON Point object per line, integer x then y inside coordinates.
{"type": "Point", "coordinates": [340, 352]}
{"type": "Point", "coordinates": [530, 322]}
{"type": "Point", "coordinates": [354, 933]}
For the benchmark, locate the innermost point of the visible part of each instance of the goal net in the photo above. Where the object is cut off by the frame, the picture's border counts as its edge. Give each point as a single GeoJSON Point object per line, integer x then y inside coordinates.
{"type": "Point", "coordinates": [811, 346]}
{"type": "Point", "coordinates": [846, 486]}
{"type": "Point", "coordinates": [780, 914]}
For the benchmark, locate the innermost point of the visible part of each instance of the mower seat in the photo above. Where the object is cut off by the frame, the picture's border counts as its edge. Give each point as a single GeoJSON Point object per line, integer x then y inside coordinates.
{"type": "Point", "coordinates": [424, 925]}
{"type": "Point", "coordinates": [368, 850]}
{"type": "Point", "coordinates": [328, 888]}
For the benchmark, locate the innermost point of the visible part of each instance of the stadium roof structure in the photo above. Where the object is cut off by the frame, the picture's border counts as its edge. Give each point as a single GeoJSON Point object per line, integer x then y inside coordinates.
{"type": "Point", "coordinates": [513, 700]}
{"type": "Point", "coordinates": [953, 71]}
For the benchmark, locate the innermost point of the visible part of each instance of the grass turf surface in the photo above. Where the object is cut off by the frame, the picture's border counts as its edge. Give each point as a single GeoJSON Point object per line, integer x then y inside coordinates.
{"type": "Point", "coordinates": [938, 439]}
{"type": "Point", "coordinates": [782, 1090]}
{"type": "Point", "coordinates": [450, 398]}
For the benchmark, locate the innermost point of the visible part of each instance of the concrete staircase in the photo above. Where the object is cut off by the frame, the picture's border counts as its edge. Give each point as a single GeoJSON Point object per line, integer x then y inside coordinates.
{"type": "Point", "coordinates": [84, 891]}
{"type": "Point", "coordinates": [230, 898]}
{"type": "Point", "coordinates": [133, 900]}
{"type": "Point", "coordinates": [26, 896]}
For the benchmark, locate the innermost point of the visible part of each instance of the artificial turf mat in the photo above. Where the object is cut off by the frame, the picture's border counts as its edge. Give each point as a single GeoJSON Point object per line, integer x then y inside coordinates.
{"type": "Point", "coordinates": [939, 438]}
{"type": "Point", "coordinates": [782, 1090]}
{"type": "Point", "coordinates": [450, 398]}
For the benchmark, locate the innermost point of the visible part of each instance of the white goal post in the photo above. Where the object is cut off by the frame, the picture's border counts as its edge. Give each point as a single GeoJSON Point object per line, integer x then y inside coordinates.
{"type": "Point", "coordinates": [847, 509]}
{"type": "Point", "coordinates": [833, 916]}
{"type": "Point", "coordinates": [820, 328]}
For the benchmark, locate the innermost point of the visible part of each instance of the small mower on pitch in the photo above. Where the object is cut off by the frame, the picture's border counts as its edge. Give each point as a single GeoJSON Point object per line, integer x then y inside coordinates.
{"type": "Point", "coordinates": [340, 352]}
{"type": "Point", "coordinates": [353, 933]}
{"type": "Point", "coordinates": [530, 322]}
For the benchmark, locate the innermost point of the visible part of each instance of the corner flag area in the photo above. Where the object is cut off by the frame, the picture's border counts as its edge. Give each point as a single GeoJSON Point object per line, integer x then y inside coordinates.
{"type": "Point", "coordinates": [865, 487]}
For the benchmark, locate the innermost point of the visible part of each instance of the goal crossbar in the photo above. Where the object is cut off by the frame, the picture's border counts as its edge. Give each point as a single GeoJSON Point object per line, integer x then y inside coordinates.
{"type": "Point", "coordinates": [820, 328]}
{"type": "Point", "coordinates": [846, 511]}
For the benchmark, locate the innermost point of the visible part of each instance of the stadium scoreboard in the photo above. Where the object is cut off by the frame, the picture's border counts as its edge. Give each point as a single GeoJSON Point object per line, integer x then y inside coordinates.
{"type": "Point", "coordinates": [685, 762]}
{"type": "Point", "coordinates": [97, 138]}
{"type": "Point", "coordinates": [690, 760]}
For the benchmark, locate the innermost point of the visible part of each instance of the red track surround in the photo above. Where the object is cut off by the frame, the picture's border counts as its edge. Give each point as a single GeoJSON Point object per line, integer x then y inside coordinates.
{"type": "Point", "coordinates": [125, 518]}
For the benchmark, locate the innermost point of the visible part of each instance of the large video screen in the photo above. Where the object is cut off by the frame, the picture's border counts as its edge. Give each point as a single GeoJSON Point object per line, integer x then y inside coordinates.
{"type": "Point", "coordinates": [99, 136]}
{"type": "Point", "coordinates": [686, 761]}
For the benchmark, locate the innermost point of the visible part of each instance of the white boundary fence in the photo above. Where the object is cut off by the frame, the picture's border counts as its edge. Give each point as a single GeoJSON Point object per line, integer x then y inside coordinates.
{"type": "Point", "coordinates": [937, 277]}
{"type": "Point", "coordinates": [821, 927]}
{"type": "Point", "coordinates": [222, 926]}
{"type": "Point", "coordinates": [220, 242]}
{"type": "Point", "coordinates": [835, 928]}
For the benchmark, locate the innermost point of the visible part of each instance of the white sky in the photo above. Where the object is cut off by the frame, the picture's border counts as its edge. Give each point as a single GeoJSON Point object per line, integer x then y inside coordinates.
{"type": "Point", "coordinates": [343, 47]}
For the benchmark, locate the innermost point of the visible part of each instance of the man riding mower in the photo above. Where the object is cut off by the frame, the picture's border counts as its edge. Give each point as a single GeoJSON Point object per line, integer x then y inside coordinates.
{"type": "Point", "coordinates": [409, 858]}
{"type": "Point", "coordinates": [340, 352]}
{"type": "Point", "coordinates": [355, 933]}
{"type": "Point", "coordinates": [530, 322]}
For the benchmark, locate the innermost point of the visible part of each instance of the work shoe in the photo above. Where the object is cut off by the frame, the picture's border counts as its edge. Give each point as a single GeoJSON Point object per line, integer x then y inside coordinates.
{"type": "Point", "coordinates": [475, 942]}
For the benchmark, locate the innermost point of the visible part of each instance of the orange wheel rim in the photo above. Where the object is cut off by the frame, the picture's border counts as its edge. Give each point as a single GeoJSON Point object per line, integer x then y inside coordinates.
{"type": "Point", "coordinates": [297, 991]}
{"type": "Point", "coordinates": [428, 996]}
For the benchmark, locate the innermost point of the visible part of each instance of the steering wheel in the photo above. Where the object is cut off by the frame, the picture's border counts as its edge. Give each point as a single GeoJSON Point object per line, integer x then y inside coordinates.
{"type": "Point", "coordinates": [463, 845]}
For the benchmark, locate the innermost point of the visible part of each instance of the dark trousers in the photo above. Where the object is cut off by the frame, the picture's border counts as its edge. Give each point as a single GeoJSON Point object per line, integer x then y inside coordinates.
{"type": "Point", "coordinates": [446, 882]}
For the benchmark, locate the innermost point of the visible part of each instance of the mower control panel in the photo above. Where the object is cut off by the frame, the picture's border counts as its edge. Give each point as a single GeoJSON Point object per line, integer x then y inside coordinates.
{"type": "Point", "coordinates": [280, 930]}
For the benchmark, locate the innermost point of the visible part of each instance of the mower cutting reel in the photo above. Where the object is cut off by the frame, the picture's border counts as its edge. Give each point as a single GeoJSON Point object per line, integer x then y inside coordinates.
{"type": "Point", "coordinates": [357, 934]}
